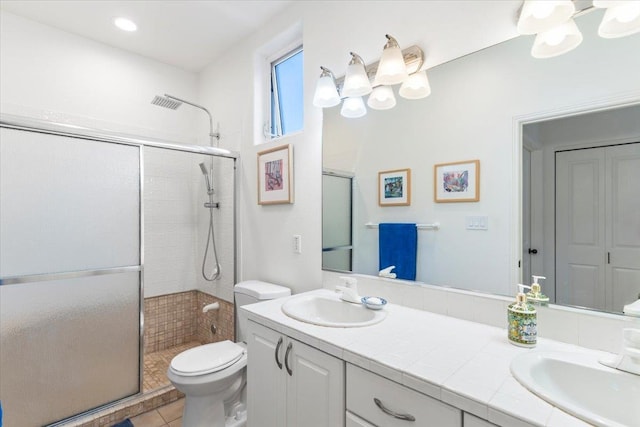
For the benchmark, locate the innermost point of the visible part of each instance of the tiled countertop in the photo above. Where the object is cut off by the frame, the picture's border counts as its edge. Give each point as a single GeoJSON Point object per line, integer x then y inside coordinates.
{"type": "Point", "coordinates": [462, 363]}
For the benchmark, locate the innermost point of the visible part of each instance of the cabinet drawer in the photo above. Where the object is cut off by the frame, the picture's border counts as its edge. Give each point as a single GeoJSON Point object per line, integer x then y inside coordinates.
{"type": "Point", "coordinates": [356, 421]}
{"type": "Point", "coordinates": [363, 387]}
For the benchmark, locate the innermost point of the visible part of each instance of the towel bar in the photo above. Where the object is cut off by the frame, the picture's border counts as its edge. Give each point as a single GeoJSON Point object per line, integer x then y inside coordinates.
{"type": "Point", "coordinates": [434, 226]}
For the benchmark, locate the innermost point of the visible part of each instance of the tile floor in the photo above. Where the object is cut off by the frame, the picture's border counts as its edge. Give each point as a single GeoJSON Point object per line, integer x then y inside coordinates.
{"type": "Point", "coordinates": [165, 416]}
{"type": "Point", "coordinates": [156, 364]}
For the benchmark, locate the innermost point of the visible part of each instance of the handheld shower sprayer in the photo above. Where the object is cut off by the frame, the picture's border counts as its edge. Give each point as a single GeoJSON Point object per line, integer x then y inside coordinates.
{"type": "Point", "coordinates": [205, 172]}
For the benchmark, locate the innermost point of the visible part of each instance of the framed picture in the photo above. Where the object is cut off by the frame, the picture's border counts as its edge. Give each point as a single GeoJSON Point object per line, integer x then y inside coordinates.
{"type": "Point", "coordinates": [394, 188]}
{"type": "Point", "coordinates": [275, 175]}
{"type": "Point", "coordinates": [457, 182]}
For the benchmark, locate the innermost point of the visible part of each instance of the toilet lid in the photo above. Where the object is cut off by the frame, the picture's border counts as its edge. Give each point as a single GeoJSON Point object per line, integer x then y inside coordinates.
{"type": "Point", "coordinates": [208, 358]}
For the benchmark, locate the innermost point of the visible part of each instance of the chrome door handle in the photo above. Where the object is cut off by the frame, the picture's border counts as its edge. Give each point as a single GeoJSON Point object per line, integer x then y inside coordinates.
{"type": "Point", "coordinates": [276, 353]}
{"type": "Point", "coordinates": [286, 359]}
{"type": "Point", "coordinates": [394, 414]}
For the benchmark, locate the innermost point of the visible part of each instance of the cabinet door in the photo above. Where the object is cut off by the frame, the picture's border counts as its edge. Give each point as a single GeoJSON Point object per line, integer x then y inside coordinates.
{"type": "Point", "coordinates": [315, 388]}
{"type": "Point", "coordinates": [265, 379]}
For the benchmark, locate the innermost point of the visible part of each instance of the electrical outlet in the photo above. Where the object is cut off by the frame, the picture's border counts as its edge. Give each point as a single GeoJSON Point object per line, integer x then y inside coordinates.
{"type": "Point", "coordinates": [297, 243]}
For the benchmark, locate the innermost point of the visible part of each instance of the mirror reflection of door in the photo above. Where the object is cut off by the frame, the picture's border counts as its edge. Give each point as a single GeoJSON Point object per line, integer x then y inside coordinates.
{"type": "Point", "coordinates": [582, 212]}
{"type": "Point", "coordinates": [598, 226]}
{"type": "Point", "coordinates": [337, 246]}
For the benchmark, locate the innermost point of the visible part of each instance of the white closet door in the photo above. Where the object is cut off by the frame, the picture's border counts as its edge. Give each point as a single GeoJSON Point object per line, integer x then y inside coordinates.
{"type": "Point", "coordinates": [580, 228]}
{"type": "Point", "coordinates": [623, 231]}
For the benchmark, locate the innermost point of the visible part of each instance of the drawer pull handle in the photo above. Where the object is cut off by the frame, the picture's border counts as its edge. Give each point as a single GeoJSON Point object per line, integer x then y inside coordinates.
{"type": "Point", "coordinates": [276, 353]}
{"type": "Point", "coordinates": [394, 414]}
{"type": "Point", "coordinates": [286, 359]}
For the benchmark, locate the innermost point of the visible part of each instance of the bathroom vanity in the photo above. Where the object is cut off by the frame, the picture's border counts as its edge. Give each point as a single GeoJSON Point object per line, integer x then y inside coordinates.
{"type": "Point", "coordinates": [434, 369]}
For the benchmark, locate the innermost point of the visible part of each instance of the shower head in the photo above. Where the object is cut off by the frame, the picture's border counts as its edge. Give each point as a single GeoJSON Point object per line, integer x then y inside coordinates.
{"type": "Point", "coordinates": [205, 172]}
{"type": "Point", "coordinates": [173, 102]}
{"type": "Point", "coordinates": [163, 101]}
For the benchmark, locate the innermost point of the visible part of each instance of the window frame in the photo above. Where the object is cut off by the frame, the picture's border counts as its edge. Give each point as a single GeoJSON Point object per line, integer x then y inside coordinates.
{"type": "Point", "coordinates": [274, 121]}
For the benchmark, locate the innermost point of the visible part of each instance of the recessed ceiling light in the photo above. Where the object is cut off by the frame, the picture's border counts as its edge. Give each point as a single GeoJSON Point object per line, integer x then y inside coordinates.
{"type": "Point", "coordinates": [125, 24]}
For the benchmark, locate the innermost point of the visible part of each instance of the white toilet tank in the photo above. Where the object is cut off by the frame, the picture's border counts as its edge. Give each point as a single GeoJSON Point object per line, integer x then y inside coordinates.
{"type": "Point", "coordinates": [252, 291]}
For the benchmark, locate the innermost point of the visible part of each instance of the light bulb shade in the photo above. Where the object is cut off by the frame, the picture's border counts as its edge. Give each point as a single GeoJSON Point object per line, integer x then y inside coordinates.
{"type": "Point", "coordinates": [416, 86]}
{"type": "Point", "coordinates": [326, 94]}
{"type": "Point", "coordinates": [540, 15]}
{"type": "Point", "coordinates": [391, 68]}
{"type": "Point", "coordinates": [356, 80]}
{"type": "Point", "coordinates": [620, 20]}
{"type": "Point", "coordinates": [353, 108]}
{"type": "Point", "coordinates": [557, 41]}
{"type": "Point", "coordinates": [382, 98]}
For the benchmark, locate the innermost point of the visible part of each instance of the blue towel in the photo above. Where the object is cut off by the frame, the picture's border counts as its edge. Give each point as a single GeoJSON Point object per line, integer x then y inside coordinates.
{"type": "Point", "coordinates": [398, 245]}
{"type": "Point", "coordinates": [125, 423]}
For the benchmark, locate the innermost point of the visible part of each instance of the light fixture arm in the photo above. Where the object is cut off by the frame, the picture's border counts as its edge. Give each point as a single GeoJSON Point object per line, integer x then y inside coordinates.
{"type": "Point", "coordinates": [391, 42]}
{"type": "Point", "coordinates": [327, 73]}
{"type": "Point", "coordinates": [356, 59]}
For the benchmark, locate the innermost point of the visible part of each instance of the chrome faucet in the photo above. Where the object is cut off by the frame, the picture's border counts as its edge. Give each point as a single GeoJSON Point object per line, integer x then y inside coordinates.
{"type": "Point", "coordinates": [629, 358]}
{"type": "Point", "coordinates": [349, 292]}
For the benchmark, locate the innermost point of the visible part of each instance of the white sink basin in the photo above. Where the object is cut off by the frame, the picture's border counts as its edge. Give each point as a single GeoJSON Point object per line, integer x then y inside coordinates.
{"type": "Point", "coordinates": [331, 311]}
{"type": "Point", "coordinates": [581, 386]}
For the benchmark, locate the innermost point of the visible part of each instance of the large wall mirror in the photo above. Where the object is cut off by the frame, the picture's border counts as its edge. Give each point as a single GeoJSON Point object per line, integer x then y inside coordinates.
{"type": "Point", "coordinates": [544, 130]}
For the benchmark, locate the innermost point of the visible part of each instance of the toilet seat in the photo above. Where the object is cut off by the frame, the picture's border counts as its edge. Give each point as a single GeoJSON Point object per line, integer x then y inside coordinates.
{"type": "Point", "coordinates": [207, 359]}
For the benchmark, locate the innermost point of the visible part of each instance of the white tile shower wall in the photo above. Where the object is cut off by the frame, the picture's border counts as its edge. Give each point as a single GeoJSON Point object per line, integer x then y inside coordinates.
{"type": "Point", "coordinates": [170, 217]}
{"type": "Point", "coordinates": [223, 172]}
{"type": "Point", "coordinates": [590, 329]}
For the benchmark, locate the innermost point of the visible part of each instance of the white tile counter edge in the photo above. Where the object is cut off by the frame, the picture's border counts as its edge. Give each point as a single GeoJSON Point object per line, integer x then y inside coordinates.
{"type": "Point", "coordinates": [462, 363]}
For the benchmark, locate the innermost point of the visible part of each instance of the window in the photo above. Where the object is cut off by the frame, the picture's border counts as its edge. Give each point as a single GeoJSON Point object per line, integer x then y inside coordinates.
{"type": "Point", "coordinates": [286, 94]}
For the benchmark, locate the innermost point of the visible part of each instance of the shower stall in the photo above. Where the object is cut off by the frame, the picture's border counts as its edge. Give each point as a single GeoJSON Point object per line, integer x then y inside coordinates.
{"type": "Point", "coordinates": [92, 225]}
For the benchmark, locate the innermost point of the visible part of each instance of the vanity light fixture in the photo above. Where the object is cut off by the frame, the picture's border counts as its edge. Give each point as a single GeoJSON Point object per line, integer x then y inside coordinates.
{"type": "Point", "coordinates": [353, 107]}
{"type": "Point", "coordinates": [557, 32]}
{"type": "Point", "coordinates": [416, 86]}
{"type": "Point", "coordinates": [557, 40]}
{"type": "Point", "coordinates": [125, 24]}
{"type": "Point", "coordinates": [326, 94]}
{"type": "Point", "coordinates": [357, 81]}
{"type": "Point", "coordinates": [391, 69]}
{"type": "Point", "coordinates": [540, 15]}
{"type": "Point", "coordinates": [622, 18]}
{"type": "Point", "coordinates": [382, 98]}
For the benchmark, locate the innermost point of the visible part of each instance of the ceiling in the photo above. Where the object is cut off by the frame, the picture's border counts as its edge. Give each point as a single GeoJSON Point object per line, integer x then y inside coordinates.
{"type": "Point", "coordinates": [187, 34]}
{"type": "Point", "coordinates": [191, 34]}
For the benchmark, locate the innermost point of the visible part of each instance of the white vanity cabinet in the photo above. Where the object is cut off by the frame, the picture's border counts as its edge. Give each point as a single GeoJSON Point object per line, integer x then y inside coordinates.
{"type": "Point", "coordinates": [291, 384]}
{"type": "Point", "coordinates": [376, 401]}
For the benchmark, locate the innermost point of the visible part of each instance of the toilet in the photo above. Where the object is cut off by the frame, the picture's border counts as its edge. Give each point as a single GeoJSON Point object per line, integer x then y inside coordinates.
{"type": "Point", "coordinates": [213, 376]}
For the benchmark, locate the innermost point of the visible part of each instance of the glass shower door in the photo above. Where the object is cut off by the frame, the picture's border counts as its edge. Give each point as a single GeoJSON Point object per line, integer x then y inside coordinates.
{"type": "Point", "coordinates": [70, 275]}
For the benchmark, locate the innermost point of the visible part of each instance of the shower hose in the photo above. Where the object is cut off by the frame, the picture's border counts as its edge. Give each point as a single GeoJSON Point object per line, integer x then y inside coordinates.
{"type": "Point", "coordinates": [211, 238]}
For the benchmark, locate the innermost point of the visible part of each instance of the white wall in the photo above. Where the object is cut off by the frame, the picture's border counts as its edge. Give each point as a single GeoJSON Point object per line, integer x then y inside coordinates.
{"type": "Point", "coordinates": [50, 74]}
{"type": "Point", "coordinates": [231, 86]}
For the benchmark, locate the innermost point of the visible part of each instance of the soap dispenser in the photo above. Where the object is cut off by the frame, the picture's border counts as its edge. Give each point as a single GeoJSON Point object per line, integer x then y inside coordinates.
{"type": "Point", "coordinates": [535, 295]}
{"type": "Point", "coordinates": [522, 318]}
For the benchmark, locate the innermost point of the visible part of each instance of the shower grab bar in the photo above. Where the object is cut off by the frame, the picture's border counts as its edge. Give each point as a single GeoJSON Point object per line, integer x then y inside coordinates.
{"type": "Point", "coordinates": [31, 278]}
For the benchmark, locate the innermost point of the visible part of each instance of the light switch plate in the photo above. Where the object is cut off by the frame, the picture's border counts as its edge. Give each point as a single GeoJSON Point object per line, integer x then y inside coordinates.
{"type": "Point", "coordinates": [477, 222]}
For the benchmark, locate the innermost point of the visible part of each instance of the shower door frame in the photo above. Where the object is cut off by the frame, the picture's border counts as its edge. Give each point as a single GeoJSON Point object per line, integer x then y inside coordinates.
{"type": "Point", "coordinates": [88, 134]}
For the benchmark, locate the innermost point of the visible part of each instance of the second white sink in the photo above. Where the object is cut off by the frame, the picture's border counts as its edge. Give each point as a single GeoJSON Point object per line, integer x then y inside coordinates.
{"type": "Point", "coordinates": [581, 386]}
{"type": "Point", "coordinates": [325, 310]}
